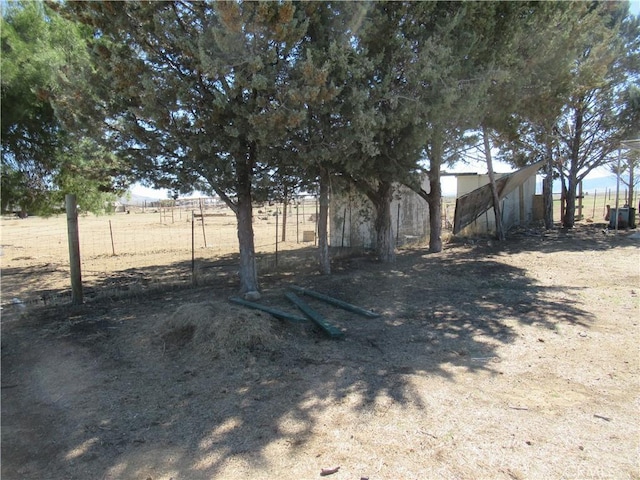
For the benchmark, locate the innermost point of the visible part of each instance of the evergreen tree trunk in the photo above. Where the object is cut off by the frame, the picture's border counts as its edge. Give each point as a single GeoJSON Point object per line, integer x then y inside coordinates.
{"type": "Point", "coordinates": [563, 195]}
{"type": "Point", "coordinates": [568, 219]}
{"type": "Point", "coordinates": [434, 199]}
{"type": "Point", "coordinates": [492, 184]}
{"type": "Point", "coordinates": [547, 198]}
{"type": "Point", "coordinates": [284, 215]}
{"type": "Point", "coordinates": [323, 216]}
{"type": "Point", "coordinates": [570, 202]}
{"type": "Point", "coordinates": [631, 180]}
{"type": "Point", "coordinates": [244, 216]}
{"type": "Point", "coordinates": [381, 199]}
{"type": "Point", "coordinates": [547, 190]}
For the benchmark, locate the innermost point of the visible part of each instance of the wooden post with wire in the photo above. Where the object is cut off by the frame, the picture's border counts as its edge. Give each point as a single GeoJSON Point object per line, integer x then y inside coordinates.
{"type": "Point", "coordinates": [276, 235]}
{"type": "Point", "coordinates": [113, 247]}
{"type": "Point", "coordinates": [193, 246]}
{"type": "Point", "coordinates": [204, 234]}
{"type": "Point", "coordinates": [74, 249]}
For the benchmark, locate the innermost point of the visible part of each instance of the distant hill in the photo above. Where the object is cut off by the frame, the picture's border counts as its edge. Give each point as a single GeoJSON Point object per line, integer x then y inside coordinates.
{"type": "Point", "coordinates": [134, 199]}
{"type": "Point", "coordinates": [597, 185]}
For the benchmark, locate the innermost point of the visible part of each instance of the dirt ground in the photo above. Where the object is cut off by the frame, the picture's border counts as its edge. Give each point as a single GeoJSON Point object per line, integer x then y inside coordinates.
{"type": "Point", "coordinates": [512, 361]}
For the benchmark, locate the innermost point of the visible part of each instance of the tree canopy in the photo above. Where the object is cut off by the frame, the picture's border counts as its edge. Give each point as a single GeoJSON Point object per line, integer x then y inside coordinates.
{"type": "Point", "coordinates": [578, 121]}
{"type": "Point", "coordinates": [41, 159]}
{"type": "Point", "coordinates": [235, 97]}
{"type": "Point", "coordinates": [202, 95]}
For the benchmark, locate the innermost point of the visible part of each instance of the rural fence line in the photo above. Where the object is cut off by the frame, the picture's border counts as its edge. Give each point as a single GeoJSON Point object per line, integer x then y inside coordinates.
{"type": "Point", "coordinates": [157, 243]}
{"type": "Point", "coordinates": [141, 245]}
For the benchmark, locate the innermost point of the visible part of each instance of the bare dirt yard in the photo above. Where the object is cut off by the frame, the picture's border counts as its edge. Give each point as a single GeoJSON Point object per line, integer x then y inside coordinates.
{"type": "Point", "coordinates": [512, 361]}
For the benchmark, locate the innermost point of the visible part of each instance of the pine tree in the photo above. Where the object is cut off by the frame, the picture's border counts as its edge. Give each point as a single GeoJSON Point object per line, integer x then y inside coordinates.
{"type": "Point", "coordinates": [321, 142]}
{"type": "Point", "coordinates": [450, 91]}
{"type": "Point", "coordinates": [575, 109]}
{"type": "Point", "coordinates": [196, 94]}
{"type": "Point", "coordinates": [386, 121]}
{"type": "Point", "coordinates": [588, 127]}
{"type": "Point", "coordinates": [41, 160]}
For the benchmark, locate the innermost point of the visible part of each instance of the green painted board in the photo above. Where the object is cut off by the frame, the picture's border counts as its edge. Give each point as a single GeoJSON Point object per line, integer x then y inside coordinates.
{"type": "Point", "coordinates": [318, 319]}
{"type": "Point", "coordinates": [335, 302]}
{"type": "Point", "coordinates": [273, 311]}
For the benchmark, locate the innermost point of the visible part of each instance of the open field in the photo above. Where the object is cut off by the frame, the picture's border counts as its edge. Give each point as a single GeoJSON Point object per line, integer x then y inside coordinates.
{"type": "Point", "coordinates": [512, 361]}
{"type": "Point", "coordinates": [136, 250]}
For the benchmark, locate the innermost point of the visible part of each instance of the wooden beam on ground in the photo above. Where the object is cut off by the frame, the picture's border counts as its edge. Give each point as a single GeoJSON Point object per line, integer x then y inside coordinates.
{"type": "Point", "coordinates": [279, 314]}
{"type": "Point", "coordinates": [335, 302]}
{"type": "Point", "coordinates": [318, 319]}
{"type": "Point", "coordinates": [201, 215]}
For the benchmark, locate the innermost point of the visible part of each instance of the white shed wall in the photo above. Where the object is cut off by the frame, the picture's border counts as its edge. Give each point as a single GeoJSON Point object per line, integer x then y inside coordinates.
{"type": "Point", "coordinates": [352, 217]}
{"type": "Point", "coordinates": [517, 207]}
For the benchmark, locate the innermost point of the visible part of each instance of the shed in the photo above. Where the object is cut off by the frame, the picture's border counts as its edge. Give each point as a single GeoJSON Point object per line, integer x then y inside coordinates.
{"type": "Point", "coordinates": [352, 216]}
{"type": "Point", "coordinates": [474, 205]}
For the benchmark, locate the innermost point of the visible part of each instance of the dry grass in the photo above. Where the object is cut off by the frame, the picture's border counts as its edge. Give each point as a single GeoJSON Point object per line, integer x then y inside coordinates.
{"type": "Point", "coordinates": [215, 330]}
{"type": "Point", "coordinates": [34, 253]}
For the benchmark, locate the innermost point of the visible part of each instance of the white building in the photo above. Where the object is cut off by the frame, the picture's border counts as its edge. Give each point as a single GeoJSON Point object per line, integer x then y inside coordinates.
{"type": "Point", "coordinates": [352, 215]}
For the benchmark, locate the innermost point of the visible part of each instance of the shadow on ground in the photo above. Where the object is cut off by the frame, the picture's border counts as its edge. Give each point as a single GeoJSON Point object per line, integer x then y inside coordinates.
{"type": "Point", "coordinates": [89, 392]}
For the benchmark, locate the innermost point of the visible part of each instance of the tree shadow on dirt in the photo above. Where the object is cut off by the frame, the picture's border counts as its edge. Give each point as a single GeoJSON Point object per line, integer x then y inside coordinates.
{"type": "Point", "coordinates": [583, 237]}
{"type": "Point", "coordinates": [31, 285]}
{"type": "Point", "coordinates": [134, 409]}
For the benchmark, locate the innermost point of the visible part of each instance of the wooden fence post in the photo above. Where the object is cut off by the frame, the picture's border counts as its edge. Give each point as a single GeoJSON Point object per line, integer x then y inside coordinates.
{"type": "Point", "coordinates": [74, 249]}
{"type": "Point", "coordinates": [297, 200]}
{"type": "Point", "coordinates": [113, 246]}
{"type": "Point", "coordinates": [204, 234]}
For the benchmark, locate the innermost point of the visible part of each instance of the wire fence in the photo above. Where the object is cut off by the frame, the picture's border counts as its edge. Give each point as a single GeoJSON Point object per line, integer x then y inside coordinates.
{"type": "Point", "coordinates": [153, 244]}
{"type": "Point", "coordinates": [143, 245]}
{"type": "Point", "coordinates": [592, 206]}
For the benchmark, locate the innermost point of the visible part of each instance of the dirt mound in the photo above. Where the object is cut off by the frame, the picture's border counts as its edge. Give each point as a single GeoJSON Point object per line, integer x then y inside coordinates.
{"type": "Point", "coordinates": [218, 330]}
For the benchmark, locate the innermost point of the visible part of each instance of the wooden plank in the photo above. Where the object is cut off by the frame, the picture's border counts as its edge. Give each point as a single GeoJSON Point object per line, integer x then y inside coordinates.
{"type": "Point", "coordinates": [200, 215]}
{"type": "Point", "coordinates": [318, 319]}
{"type": "Point", "coordinates": [335, 302]}
{"type": "Point", "coordinates": [279, 314]}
